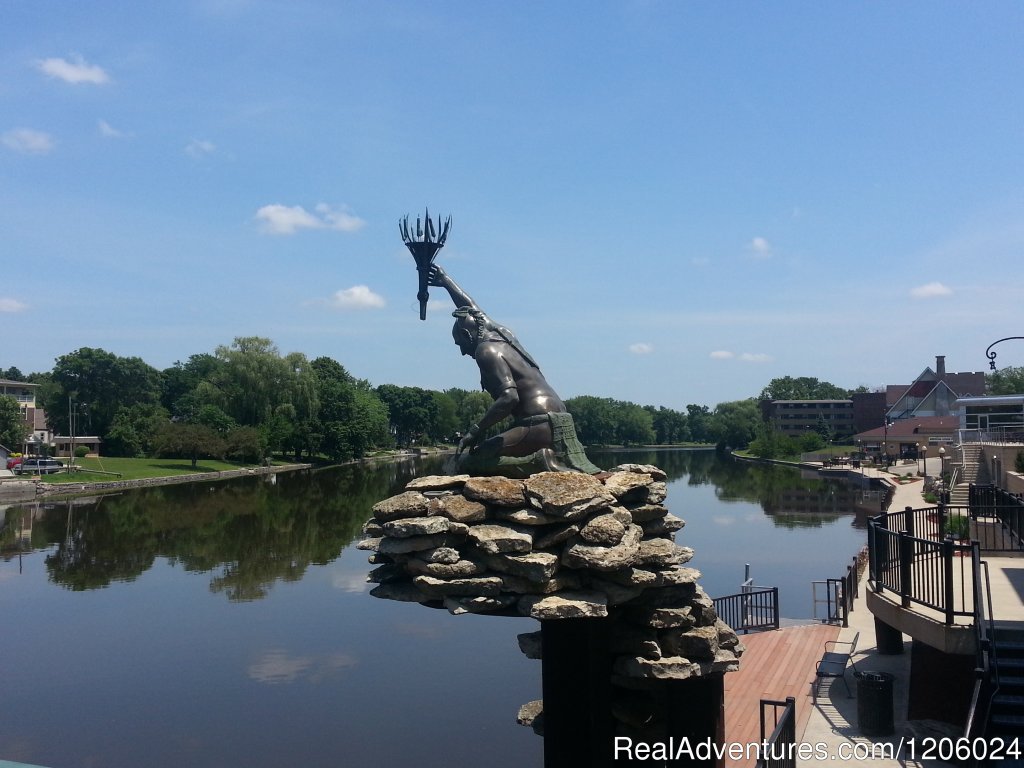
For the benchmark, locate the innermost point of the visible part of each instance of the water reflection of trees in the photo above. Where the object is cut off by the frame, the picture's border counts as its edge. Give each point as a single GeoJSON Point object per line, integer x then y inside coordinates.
{"type": "Point", "coordinates": [790, 499]}
{"type": "Point", "coordinates": [247, 533]}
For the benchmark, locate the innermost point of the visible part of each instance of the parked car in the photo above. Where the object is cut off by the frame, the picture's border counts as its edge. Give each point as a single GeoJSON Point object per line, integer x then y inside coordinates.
{"type": "Point", "coordinates": [13, 462]}
{"type": "Point", "coordinates": [39, 467]}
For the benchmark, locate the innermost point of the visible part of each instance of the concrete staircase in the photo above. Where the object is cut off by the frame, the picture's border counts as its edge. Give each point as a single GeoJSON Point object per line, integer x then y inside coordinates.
{"type": "Point", "coordinates": [1007, 716]}
{"type": "Point", "coordinates": [958, 495]}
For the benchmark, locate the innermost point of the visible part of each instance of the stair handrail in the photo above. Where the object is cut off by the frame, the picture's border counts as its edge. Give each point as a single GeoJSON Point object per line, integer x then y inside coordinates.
{"type": "Point", "coordinates": [986, 684]}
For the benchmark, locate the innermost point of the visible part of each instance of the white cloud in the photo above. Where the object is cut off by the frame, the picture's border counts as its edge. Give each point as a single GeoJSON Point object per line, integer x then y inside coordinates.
{"type": "Point", "coordinates": [761, 248]}
{"type": "Point", "coordinates": [108, 131]}
{"type": "Point", "coordinates": [75, 71]}
{"type": "Point", "coordinates": [12, 305]}
{"type": "Point", "coordinates": [200, 148]}
{"type": "Point", "coordinates": [357, 297]}
{"type": "Point", "coordinates": [339, 218]}
{"type": "Point", "coordinates": [641, 348]}
{"type": "Point", "coordinates": [286, 220]}
{"type": "Point", "coordinates": [756, 357]}
{"type": "Point", "coordinates": [721, 354]}
{"type": "Point", "coordinates": [930, 291]}
{"type": "Point", "coordinates": [27, 141]}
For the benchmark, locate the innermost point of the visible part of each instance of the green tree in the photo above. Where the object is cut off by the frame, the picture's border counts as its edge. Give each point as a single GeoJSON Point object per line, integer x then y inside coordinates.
{"type": "Point", "coordinates": [1005, 381]}
{"type": "Point", "coordinates": [802, 388]}
{"type": "Point", "coordinates": [245, 444]}
{"type": "Point", "coordinates": [188, 441]}
{"type": "Point", "coordinates": [352, 418]}
{"type": "Point", "coordinates": [594, 419]}
{"type": "Point", "coordinates": [469, 406]}
{"type": "Point", "coordinates": [669, 425]}
{"type": "Point", "coordinates": [13, 429]}
{"type": "Point", "coordinates": [735, 423]}
{"type": "Point", "coordinates": [446, 421]}
{"type": "Point", "coordinates": [698, 418]}
{"type": "Point", "coordinates": [12, 374]}
{"type": "Point", "coordinates": [182, 379]}
{"type": "Point", "coordinates": [412, 412]}
{"type": "Point", "coordinates": [99, 383]}
{"type": "Point", "coordinates": [134, 429]}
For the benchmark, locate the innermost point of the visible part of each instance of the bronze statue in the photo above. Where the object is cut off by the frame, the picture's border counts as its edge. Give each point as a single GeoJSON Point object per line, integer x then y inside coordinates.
{"type": "Point", "coordinates": [542, 435]}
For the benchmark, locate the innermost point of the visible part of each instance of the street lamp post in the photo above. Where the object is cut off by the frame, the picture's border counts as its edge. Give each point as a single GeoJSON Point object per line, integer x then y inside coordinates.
{"type": "Point", "coordinates": [924, 461]}
{"type": "Point", "coordinates": [918, 457]}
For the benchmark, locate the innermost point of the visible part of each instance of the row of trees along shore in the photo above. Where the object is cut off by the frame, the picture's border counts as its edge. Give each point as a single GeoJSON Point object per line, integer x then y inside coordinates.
{"type": "Point", "coordinates": [246, 401]}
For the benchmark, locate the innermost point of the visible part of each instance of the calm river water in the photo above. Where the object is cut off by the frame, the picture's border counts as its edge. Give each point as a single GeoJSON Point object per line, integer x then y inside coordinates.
{"type": "Point", "coordinates": [229, 624]}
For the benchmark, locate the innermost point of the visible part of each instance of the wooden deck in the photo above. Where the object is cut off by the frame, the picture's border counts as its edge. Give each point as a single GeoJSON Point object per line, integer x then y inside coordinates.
{"type": "Point", "coordinates": [777, 664]}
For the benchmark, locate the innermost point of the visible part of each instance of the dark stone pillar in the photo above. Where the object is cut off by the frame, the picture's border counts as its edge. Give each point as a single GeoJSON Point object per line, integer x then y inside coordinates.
{"type": "Point", "coordinates": [579, 729]}
{"type": "Point", "coordinates": [577, 692]}
{"type": "Point", "coordinates": [940, 684]}
{"type": "Point", "coordinates": [888, 640]}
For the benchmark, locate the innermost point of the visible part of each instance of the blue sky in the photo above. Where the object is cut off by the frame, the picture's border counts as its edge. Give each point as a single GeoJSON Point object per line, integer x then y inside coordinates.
{"type": "Point", "coordinates": [669, 202]}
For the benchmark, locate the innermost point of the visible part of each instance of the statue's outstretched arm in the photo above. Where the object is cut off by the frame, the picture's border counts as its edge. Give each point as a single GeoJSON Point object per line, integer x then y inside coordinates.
{"type": "Point", "coordinates": [440, 279]}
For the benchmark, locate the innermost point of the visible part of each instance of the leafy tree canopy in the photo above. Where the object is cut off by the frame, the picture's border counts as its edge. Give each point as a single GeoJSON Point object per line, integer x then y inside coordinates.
{"type": "Point", "coordinates": [1005, 381]}
{"type": "Point", "coordinates": [802, 388]}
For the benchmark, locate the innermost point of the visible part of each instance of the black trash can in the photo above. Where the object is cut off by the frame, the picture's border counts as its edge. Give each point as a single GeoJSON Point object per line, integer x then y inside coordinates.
{"type": "Point", "coordinates": [874, 704]}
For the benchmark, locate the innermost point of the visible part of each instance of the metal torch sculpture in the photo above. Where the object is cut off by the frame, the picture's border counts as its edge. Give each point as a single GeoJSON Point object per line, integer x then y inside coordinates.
{"type": "Point", "coordinates": [423, 243]}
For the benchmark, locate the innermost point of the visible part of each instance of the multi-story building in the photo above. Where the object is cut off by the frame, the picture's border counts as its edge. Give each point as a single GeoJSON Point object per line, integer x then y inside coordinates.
{"type": "Point", "coordinates": [797, 417]}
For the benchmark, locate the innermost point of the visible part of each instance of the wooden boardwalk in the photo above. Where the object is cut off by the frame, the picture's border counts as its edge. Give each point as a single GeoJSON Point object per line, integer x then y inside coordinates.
{"type": "Point", "coordinates": [777, 664]}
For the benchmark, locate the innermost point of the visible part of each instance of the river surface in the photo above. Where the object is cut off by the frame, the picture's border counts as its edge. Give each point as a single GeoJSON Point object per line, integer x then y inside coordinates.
{"type": "Point", "coordinates": [229, 624]}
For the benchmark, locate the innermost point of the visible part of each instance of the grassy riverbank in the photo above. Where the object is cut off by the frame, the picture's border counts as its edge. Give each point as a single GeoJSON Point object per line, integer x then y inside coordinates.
{"type": "Point", "coordinates": [96, 470]}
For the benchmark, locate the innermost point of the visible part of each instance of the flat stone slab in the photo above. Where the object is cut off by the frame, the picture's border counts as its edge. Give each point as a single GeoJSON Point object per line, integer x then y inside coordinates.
{"type": "Point", "coordinates": [534, 566]}
{"type": "Point", "coordinates": [403, 592]}
{"type": "Point", "coordinates": [665, 668]}
{"type": "Point", "coordinates": [604, 530]}
{"type": "Point", "coordinates": [525, 516]}
{"type": "Point", "coordinates": [437, 483]}
{"type": "Point", "coordinates": [565, 605]}
{"type": "Point", "coordinates": [568, 495]}
{"type": "Point", "coordinates": [496, 538]}
{"type": "Point", "coordinates": [615, 558]}
{"type": "Point", "coordinates": [624, 485]}
{"type": "Point", "coordinates": [663, 552]}
{"type": "Point", "coordinates": [656, 473]}
{"type": "Point", "coordinates": [461, 510]}
{"type": "Point", "coordinates": [399, 546]}
{"type": "Point", "coordinates": [486, 586]}
{"type": "Point", "coordinates": [415, 526]}
{"type": "Point", "coordinates": [501, 491]}
{"type": "Point", "coordinates": [460, 605]}
{"type": "Point", "coordinates": [460, 569]}
{"type": "Point", "coordinates": [408, 504]}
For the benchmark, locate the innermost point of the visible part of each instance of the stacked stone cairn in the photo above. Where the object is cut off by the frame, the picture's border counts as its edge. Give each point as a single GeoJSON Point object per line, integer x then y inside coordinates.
{"type": "Point", "coordinates": [553, 546]}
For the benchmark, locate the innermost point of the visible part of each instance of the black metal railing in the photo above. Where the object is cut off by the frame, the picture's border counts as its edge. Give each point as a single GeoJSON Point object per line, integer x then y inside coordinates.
{"type": "Point", "coordinates": [778, 749]}
{"type": "Point", "coordinates": [753, 609]}
{"type": "Point", "coordinates": [986, 671]}
{"type": "Point", "coordinates": [998, 518]}
{"type": "Point", "coordinates": [839, 598]}
{"type": "Point", "coordinates": [907, 556]}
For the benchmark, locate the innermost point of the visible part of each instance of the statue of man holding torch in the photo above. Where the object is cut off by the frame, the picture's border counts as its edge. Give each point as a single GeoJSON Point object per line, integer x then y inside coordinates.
{"type": "Point", "coordinates": [542, 430]}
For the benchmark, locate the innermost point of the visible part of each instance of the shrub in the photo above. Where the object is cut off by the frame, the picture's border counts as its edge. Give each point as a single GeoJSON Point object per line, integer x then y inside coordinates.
{"type": "Point", "coordinates": [81, 451]}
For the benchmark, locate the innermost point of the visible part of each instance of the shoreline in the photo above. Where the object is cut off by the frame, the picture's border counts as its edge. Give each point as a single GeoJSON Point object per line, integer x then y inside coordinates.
{"type": "Point", "coordinates": [21, 491]}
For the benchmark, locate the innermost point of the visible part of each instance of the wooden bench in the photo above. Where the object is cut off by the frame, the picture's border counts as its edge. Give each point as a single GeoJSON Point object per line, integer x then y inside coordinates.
{"type": "Point", "coordinates": [833, 662]}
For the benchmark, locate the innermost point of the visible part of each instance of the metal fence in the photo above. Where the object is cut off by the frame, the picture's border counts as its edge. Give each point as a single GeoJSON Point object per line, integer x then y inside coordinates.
{"type": "Point", "coordinates": [839, 596]}
{"type": "Point", "coordinates": [997, 518]}
{"type": "Point", "coordinates": [778, 749]}
{"type": "Point", "coordinates": [753, 609]}
{"type": "Point", "coordinates": [909, 556]}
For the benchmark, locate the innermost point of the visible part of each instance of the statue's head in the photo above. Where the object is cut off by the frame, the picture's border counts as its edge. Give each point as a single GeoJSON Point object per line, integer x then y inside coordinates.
{"type": "Point", "coordinates": [468, 329]}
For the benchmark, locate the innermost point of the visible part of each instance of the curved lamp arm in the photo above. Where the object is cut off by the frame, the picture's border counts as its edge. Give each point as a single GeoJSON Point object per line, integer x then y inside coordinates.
{"type": "Point", "coordinates": [992, 355]}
